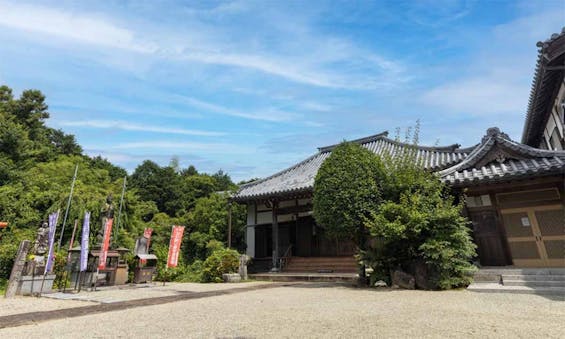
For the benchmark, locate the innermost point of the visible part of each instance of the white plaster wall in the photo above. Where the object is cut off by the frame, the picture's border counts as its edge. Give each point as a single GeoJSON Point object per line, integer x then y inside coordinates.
{"type": "Point", "coordinates": [250, 240]}
{"type": "Point", "coordinates": [251, 214]}
{"type": "Point", "coordinates": [264, 218]}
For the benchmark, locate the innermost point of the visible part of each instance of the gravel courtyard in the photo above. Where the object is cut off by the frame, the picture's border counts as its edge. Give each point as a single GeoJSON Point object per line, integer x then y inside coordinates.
{"type": "Point", "coordinates": [311, 311]}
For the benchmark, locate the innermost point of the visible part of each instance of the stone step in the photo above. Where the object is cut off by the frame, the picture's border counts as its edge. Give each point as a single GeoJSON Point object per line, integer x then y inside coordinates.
{"type": "Point", "coordinates": [534, 283]}
{"type": "Point", "coordinates": [323, 260]}
{"type": "Point", "coordinates": [533, 277]}
{"type": "Point", "coordinates": [498, 288]}
{"type": "Point", "coordinates": [523, 271]}
{"type": "Point", "coordinates": [313, 265]}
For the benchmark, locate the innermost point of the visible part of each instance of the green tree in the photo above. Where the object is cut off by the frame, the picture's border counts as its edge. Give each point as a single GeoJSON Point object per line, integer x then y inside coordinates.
{"type": "Point", "coordinates": [346, 191]}
{"type": "Point", "coordinates": [419, 226]}
{"type": "Point", "coordinates": [209, 221]}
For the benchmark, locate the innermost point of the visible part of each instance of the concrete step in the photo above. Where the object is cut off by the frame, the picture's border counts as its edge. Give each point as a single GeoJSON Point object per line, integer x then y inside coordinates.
{"type": "Point", "coordinates": [534, 283]}
{"type": "Point", "coordinates": [523, 271]}
{"type": "Point", "coordinates": [498, 288]}
{"type": "Point", "coordinates": [533, 277]}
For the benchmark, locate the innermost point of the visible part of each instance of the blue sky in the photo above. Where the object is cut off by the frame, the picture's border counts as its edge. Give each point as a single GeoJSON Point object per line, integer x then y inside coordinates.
{"type": "Point", "coordinates": [253, 87]}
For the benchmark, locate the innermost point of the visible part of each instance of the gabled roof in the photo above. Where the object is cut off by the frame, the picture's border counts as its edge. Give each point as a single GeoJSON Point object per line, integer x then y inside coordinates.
{"type": "Point", "coordinates": [299, 178]}
{"type": "Point", "coordinates": [498, 158]}
{"type": "Point", "coordinates": [549, 75]}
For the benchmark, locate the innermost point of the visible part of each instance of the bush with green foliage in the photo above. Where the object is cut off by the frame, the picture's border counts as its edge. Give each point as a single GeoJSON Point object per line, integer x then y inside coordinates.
{"type": "Point", "coordinates": [222, 260]}
{"type": "Point", "coordinates": [419, 222]}
{"type": "Point", "coordinates": [347, 190]}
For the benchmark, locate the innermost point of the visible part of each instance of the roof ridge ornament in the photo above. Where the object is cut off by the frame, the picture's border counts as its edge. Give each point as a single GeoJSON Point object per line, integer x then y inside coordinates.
{"type": "Point", "coordinates": [494, 132]}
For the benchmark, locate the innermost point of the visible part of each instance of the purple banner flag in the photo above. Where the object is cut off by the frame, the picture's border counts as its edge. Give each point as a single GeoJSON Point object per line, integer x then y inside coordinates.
{"type": "Point", "coordinates": [84, 242]}
{"type": "Point", "coordinates": [53, 218]}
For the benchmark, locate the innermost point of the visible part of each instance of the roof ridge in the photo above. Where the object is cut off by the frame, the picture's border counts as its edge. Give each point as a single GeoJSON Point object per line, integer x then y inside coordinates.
{"type": "Point", "coordinates": [363, 140]}
{"type": "Point", "coordinates": [539, 73]}
{"type": "Point", "coordinates": [493, 137]}
{"type": "Point", "coordinates": [448, 148]}
{"type": "Point", "coordinates": [384, 136]}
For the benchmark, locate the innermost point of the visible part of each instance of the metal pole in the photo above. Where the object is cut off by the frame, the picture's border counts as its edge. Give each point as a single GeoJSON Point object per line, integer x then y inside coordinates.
{"type": "Point", "coordinates": [67, 210]}
{"type": "Point", "coordinates": [69, 270]}
{"type": "Point", "coordinates": [120, 208]}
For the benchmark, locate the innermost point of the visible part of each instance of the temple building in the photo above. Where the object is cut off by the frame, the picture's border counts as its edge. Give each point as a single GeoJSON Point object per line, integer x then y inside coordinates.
{"type": "Point", "coordinates": [545, 120]}
{"type": "Point", "coordinates": [514, 192]}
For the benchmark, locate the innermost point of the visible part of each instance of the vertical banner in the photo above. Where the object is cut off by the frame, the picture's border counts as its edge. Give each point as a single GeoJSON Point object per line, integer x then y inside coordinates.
{"type": "Point", "coordinates": [53, 218]}
{"type": "Point", "coordinates": [174, 246]}
{"type": "Point", "coordinates": [84, 242]}
{"type": "Point", "coordinates": [105, 244]}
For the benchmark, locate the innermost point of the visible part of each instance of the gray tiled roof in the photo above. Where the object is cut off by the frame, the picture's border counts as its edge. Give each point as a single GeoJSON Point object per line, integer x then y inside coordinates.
{"type": "Point", "coordinates": [498, 158]}
{"type": "Point", "coordinates": [300, 177]}
{"type": "Point", "coordinates": [549, 74]}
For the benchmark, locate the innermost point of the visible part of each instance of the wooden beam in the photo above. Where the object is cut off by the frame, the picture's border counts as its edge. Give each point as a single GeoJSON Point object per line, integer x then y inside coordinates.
{"type": "Point", "coordinates": [294, 209]}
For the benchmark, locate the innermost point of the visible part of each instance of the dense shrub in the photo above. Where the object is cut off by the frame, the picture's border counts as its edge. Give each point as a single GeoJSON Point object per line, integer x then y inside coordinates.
{"type": "Point", "coordinates": [347, 190]}
{"type": "Point", "coordinates": [419, 223]}
{"type": "Point", "coordinates": [191, 273]}
{"type": "Point", "coordinates": [221, 261]}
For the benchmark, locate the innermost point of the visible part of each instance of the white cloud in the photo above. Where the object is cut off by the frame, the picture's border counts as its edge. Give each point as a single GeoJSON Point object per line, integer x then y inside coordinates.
{"type": "Point", "coordinates": [478, 96]}
{"type": "Point", "coordinates": [65, 24]}
{"type": "Point", "coordinates": [314, 66]}
{"type": "Point", "coordinates": [196, 147]}
{"type": "Point", "coordinates": [270, 114]}
{"type": "Point", "coordinates": [497, 79]}
{"type": "Point", "coordinates": [128, 126]}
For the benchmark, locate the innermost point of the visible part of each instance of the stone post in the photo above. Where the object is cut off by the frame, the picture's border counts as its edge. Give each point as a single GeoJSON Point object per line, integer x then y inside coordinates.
{"type": "Point", "coordinates": [243, 259]}
{"type": "Point", "coordinates": [17, 269]}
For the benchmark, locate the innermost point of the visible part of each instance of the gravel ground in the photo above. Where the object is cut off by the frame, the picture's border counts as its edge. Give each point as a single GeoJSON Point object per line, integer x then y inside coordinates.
{"type": "Point", "coordinates": [315, 311]}
{"type": "Point", "coordinates": [154, 290]}
{"type": "Point", "coordinates": [32, 304]}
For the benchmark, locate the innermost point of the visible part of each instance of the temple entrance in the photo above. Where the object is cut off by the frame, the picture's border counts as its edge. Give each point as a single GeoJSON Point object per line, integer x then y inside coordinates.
{"type": "Point", "coordinates": [305, 237]}
{"type": "Point", "coordinates": [489, 239]}
{"type": "Point", "coordinates": [536, 235]}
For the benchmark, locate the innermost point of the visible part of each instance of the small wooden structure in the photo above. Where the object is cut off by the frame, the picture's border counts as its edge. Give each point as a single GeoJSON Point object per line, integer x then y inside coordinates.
{"type": "Point", "coordinates": [115, 273]}
{"type": "Point", "coordinates": [145, 268]}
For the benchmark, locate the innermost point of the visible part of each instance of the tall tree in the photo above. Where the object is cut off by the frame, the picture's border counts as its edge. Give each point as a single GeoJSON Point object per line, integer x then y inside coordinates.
{"type": "Point", "coordinates": [346, 191]}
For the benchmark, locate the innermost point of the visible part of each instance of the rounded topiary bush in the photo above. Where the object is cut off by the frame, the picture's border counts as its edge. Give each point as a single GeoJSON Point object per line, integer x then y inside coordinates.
{"type": "Point", "coordinates": [347, 190]}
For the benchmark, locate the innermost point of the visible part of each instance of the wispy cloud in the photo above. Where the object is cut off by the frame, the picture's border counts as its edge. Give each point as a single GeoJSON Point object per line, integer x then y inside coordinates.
{"type": "Point", "coordinates": [481, 96]}
{"type": "Point", "coordinates": [269, 114]}
{"type": "Point", "coordinates": [174, 147]}
{"type": "Point", "coordinates": [69, 25]}
{"type": "Point", "coordinates": [315, 67]}
{"type": "Point", "coordinates": [496, 80]}
{"type": "Point", "coordinates": [128, 126]}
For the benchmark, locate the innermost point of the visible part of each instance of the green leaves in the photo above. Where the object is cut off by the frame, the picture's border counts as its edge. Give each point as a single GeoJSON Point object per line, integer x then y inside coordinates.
{"type": "Point", "coordinates": [347, 190]}
{"type": "Point", "coordinates": [419, 221]}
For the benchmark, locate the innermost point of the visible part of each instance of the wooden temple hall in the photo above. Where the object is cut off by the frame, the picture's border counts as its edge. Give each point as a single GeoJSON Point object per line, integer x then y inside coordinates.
{"type": "Point", "coordinates": [514, 191]}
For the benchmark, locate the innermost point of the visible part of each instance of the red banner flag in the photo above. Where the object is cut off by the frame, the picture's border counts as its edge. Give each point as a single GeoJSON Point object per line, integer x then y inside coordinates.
{"type": "Point", "coordinates": [105, 244]}
{"type": "Point", "coordinates": [174, 246]}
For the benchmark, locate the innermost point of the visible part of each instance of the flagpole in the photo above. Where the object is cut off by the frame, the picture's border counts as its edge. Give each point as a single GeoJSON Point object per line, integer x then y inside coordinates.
{"type": "Point", "coordinates": [120, 208]}
{"type": "Point", "coordinates": [67, 210]}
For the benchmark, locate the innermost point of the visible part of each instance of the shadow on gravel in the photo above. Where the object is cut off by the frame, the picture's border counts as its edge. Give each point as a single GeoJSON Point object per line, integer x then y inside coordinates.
{"type": "Point", "coordinates": [21, 319]}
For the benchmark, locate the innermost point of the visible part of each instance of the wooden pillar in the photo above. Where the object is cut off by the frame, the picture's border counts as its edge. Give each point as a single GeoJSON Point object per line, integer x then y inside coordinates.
{"type": "Point", "coordinates": [275, 230]}
{"type": "Point", "coordinates": [229, 224]}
